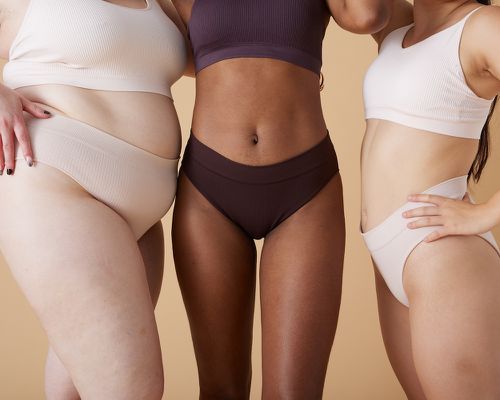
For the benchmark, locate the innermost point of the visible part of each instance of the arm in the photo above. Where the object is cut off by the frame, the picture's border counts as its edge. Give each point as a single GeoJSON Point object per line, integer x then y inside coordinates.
{"type": "Point", "coordinates": [401, 14]}
{"type": "Point", "coordinates": [360, 16]}
{"type": "Point", "coordinates": [455, 217]}
{"type": "Point", "coordinates": [12, 104]}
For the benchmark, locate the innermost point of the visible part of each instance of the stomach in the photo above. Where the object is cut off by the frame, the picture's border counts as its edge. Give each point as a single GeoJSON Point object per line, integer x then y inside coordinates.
{"type": "Point", "coordinates": [397, 161]}
{"type": "Point", "coordinates": [145, 120]}
{"type": "Point", "coordinates": [258, 111]}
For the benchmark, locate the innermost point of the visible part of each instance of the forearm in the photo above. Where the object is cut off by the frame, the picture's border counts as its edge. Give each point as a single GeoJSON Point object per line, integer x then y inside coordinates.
{"type": "Point", "coordinates": [361, 16]}
{"type": "Point", "coordinates": [494, 207]}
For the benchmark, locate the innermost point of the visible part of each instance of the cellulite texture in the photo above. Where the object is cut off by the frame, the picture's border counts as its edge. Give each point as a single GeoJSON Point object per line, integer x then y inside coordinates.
{"type": "Point", "coordinates": [287, 30]}
{"type": "Point", "coordinates": [98, 45]}
{"type": "Point", "coordinates": [136, 184]}
{"type": "Point", "coordinates": [423, 86]}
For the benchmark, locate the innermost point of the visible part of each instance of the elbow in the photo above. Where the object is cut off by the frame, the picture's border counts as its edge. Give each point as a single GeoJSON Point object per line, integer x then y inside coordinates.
{"type": "Point", "coordinates": [371, 21]}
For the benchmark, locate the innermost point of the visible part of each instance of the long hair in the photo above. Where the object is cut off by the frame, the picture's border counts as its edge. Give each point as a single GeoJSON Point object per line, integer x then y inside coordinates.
{"type": "Point", "coordinates": [484, 141]}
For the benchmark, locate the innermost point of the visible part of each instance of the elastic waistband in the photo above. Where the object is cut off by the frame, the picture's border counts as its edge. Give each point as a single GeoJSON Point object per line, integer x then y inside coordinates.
{"type": "Point", "coordinates": [386, 231]}
{"type": "Point", "coordinates": [320, 154]}
{"type": "Point", "coordinates": [99, 139]}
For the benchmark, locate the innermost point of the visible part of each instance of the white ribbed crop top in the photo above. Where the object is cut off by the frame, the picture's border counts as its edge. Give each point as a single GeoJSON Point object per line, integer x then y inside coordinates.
{"type": "Point", "coordinates": [423, 86]}
{"type": "Point", "coordinates": [98, 45]}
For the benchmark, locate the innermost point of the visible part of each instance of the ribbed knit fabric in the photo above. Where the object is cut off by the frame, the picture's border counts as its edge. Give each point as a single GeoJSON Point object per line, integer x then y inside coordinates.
{"type": "Point", "coordinates": [138, 185]}
{"type": "Point", "coordinates": [287, 30]}
{"type": "Point", "coordinates": [98, 45]}
{"type": "Point", "coordinates": [423, 86]}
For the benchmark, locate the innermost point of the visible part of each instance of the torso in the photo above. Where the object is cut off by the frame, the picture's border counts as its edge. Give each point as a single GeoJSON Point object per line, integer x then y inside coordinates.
{"type": "Point", "coordinates": [399, 160]}
{"type": "Point", "coordinates": [256, 111]}
{"type": "Point", "coordinates": [146, 120]}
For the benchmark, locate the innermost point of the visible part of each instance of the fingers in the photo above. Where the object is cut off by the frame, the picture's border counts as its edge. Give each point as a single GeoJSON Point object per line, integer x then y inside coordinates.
{"type": "Point", "coordinates": [7, 146]}
{"type": "Point", "coordinates": [34, 109]}
{"type": "Point", "coordinates": [439, 234]}
{"type": "Point", "coordinates": [427, 198]}
{"type": "Point", "coordinates": [2, 160]}
{"type": "Point", "coordinates": [427, 221]}
{"type": "Point", "coordinates": [422, 212]}
{"type": "Point", "coordinates": [23, 137]}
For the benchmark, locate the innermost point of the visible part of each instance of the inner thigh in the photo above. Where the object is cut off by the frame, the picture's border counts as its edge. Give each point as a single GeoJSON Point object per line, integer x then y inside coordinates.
{"type": "Point", "coordinates": [301, 281]}
{"type": "Point", "coordinates": [215, 263]}
{"type": "Point", "coordinates": [453, 286]}
{"type": "Point", "coordinates": [395, 325]}
{"type": "Point", "coordinates": [79, 266]}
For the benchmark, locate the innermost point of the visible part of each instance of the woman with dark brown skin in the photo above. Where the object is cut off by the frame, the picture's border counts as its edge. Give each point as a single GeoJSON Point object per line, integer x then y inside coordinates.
{"type": "Point", "coordinates": [247, 174]}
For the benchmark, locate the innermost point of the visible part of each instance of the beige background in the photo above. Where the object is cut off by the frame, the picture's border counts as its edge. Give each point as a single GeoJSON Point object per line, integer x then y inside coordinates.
{"type": "Point", "coordinates": [359, 369]}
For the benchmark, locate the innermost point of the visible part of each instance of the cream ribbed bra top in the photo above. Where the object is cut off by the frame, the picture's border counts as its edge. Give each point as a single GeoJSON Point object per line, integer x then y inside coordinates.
{"type": "Point", "coordinates": [423, 86]}
{"type": "Point", "coordinates": [98, 45]}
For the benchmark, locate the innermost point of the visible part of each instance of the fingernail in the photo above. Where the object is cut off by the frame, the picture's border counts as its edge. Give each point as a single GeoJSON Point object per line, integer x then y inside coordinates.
{"type": "Point", "coordinates": [405, 214]}
{"type": "Point", "coordinates": [1, 172]}
{"type": "Point", "coordinates": [47, 112]}
{"type": "Point", "coordinates": [29, 160]}
{"type": "Point", "coordinates": [9, 171]}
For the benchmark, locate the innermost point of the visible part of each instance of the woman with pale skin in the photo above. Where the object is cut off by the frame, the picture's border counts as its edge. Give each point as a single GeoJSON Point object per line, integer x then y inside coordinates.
{"type": "Point", "coordinates": [428, 100]}
{"type": "Point", "coordinates": [90, 144]}
{"type": "Point", "coordinates": [259, 164]}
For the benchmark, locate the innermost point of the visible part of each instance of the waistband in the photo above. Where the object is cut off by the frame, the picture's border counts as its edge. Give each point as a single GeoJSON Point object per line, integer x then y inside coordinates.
{"type": "Point", "coordinates": [317, 156]}
{"type": "Point", "coordinates": [392, 226]}
{"type": "Point", "coordinates": [79, 131]}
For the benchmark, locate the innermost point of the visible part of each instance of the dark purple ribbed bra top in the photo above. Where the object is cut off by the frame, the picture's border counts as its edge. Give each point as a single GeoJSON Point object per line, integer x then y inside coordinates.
{"type": "Point", "coordinates": [287, 30]}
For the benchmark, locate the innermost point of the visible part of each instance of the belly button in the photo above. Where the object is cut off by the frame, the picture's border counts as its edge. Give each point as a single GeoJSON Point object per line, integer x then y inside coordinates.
{"type": "Point", "coordinates": [255, 139]}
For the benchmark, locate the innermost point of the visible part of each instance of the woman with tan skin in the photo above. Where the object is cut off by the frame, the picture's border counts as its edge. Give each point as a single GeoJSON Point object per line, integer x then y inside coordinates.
{"type": "Point", "coordinates": [258, 115]}
{"type": "Point", "coordinates": [80, 218]}
{"type": "Point", "coordinates": [438, 277]}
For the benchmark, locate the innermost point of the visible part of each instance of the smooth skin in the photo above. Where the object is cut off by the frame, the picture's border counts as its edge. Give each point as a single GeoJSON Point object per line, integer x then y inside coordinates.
{"type": "Point", "coordinates": [260, 112]}
{"type": "Point", "coordinates": [113, 278]}
{"type": "Point", "coordinates": [447, 344]}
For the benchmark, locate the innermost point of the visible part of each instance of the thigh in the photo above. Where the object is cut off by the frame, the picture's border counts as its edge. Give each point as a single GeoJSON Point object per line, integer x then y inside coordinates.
{"type": "Point", "coordinates": [80, 267]}
{"type": "Point", "coordinates": [453, 286]}
{"type": "Point", "coordinates": [215, 265]}
{"type": "Point", "coordinates": [301, 280]}
{"type": "Point", "coordinates": [395, 324]}
{"type": "Point", "coordinates": [58, 382]}
{"type": "Point", "coordinates": [152, 248]}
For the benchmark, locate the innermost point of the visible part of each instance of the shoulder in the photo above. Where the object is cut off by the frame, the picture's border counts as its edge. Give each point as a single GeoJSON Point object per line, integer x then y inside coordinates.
{"type": "Point", "coordinates": [481, 32]}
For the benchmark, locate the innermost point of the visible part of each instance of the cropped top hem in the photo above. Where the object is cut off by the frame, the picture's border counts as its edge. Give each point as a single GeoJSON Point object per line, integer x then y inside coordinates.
{"type": "Point", "coordinates": [258, 50]}
{"type": "Point", "coordinates": [21, 74]}
{"type": "Point", "coordinates": [463, 129]}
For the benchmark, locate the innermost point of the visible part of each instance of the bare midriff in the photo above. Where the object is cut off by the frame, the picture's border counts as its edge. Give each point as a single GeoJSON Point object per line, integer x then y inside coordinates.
{"type": "Point", "coordinates": [146, 120]}
{"type": "Point", "coordinates": [258, 111]}
{"type": "Point", "coordinates": [397, 161]}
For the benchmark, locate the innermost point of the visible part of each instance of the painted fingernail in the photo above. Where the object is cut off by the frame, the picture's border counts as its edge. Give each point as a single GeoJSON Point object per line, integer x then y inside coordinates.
{"type": "Point", "coordinates": [9, 171]}
{"type": "Point", "coordinates": [1, 172]}
{"type": "Point", "coordinates": [47, 112]}
{"type": "Point", "coordinates": [29, 160]}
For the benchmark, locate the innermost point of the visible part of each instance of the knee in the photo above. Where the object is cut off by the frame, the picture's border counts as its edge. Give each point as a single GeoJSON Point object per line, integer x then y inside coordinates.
{"type": "Point", "coordinates": [228, 390]}
{"type": "Point", "coordinates": [298, 390]}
